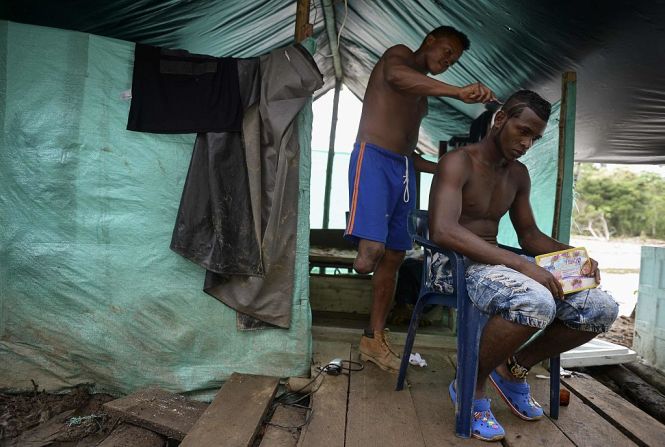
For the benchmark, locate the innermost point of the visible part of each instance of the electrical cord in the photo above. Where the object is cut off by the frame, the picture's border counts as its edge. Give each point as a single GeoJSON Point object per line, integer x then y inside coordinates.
{"type": "Point", "coordinates": [287, 399]}
{"type": "Point", "coordinates": [359, 365]}
{"type": "Point", "coordinates": [308, 416]}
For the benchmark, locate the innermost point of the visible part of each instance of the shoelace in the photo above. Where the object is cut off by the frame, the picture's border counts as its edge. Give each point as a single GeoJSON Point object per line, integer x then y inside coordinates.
{"type": "Point", "coordinates": [386, 341]}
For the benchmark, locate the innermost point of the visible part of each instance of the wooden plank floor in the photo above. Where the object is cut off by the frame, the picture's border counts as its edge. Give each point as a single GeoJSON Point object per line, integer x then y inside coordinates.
{"type": "Point", "coordinates": [377, 414]}
{"type": "Point", "coordinates": [423, 415]}
{"type": "Point", "coordinates": [234, 417]}
{"type": "Point", "coordinates": [327, 425]}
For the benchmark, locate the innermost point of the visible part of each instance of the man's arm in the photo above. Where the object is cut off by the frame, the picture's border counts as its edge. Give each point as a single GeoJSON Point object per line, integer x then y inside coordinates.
{"type": "Point", "coordinates": [531, 239]}
{"type": "Point", "coordinates": [402, 77]}
{"type": "Point", "coordinates": [422, 165]}
{"type": "Point", "coordinates": [445, 209]}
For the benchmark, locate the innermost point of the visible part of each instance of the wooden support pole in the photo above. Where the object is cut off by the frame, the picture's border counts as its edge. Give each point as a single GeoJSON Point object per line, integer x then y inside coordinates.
{"type": "Point", "coordinates": [331, 155]}
{"type": "Point", "coordinates": [563, 205]}
{"type": "Point", "coordinates": [303, 27]}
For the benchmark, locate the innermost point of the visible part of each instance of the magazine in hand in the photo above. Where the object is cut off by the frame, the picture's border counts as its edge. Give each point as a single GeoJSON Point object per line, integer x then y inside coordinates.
{"type": "Point", "coordinates": [566, 266]}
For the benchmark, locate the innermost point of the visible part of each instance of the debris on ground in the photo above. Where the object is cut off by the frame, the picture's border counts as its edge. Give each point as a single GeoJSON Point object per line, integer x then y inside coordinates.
{"type": "Point", "coordinates": [621, 332]}
{"type": "Point", "coordinates": [40, 418]}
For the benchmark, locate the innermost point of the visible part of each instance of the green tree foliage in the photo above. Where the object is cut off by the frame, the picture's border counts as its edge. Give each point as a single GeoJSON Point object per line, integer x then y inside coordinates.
{"type": "Point", "coordinates": [618, 203]}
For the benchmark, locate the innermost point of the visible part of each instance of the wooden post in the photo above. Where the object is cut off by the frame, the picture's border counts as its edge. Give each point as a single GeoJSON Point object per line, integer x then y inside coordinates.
{"type": "Point", "coordinates": [331, 155]}
{"type": "Point", "coordinates": [303, 27]}
{"type": "Point", "coordinates": [563, 205]}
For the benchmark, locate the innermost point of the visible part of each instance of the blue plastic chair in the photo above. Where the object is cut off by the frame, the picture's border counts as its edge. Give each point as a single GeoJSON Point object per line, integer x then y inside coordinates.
{"type": "Point", "coordinates": [470, 322]}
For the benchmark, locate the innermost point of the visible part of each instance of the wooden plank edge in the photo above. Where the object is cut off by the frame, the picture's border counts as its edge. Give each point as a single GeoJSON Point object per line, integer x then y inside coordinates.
{"type": "Point", "coordinates": [617, 424]}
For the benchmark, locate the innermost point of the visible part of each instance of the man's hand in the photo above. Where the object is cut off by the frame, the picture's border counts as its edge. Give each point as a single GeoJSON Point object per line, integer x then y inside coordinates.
{"type": "Point", "coordinates": [544, 277]}
{"type": "Point", "coordinates": [475, 93]}
{"type": "Point", "coordinates": [590, 268]}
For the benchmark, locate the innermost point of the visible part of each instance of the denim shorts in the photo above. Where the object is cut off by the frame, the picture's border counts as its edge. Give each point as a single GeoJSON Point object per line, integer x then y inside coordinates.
{"type": "Point", "coordinates": [499, 290]}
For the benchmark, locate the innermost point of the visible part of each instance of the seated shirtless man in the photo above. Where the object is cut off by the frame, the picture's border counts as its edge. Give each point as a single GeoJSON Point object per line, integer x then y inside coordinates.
{"type": "Point", "coordinates": [473, 188]}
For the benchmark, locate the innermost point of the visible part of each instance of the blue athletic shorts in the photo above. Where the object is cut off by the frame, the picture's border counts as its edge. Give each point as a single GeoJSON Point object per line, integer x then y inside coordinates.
{"type": "Point", "coordinates": [382, 192]}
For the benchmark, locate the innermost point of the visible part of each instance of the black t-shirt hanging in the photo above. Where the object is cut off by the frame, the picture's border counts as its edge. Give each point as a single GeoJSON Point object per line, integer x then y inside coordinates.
{"type": "Point", "coordinates": [174, 91]}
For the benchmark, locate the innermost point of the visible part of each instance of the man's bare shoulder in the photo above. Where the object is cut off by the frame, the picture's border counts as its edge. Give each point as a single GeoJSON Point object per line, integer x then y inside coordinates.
{"type": "Point", "coordinates": [456, 161]}
{"type": "Point", "coordinates": [462, 154]}
{"type": "Point", "coordinates": [519, 168]}
{"type": "Point", "coordinates": [398, 51]}
{"type": "Point", "coordinates": [459, 154]}
{"type": "Point", "coordinates": [519, 172]}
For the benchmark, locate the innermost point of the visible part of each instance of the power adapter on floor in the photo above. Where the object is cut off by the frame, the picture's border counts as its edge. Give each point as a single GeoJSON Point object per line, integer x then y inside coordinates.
{"type": "Point", "coordinates": [334, 367]}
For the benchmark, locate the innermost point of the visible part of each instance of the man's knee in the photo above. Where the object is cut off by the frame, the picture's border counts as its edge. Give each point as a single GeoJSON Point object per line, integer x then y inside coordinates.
{"type": "Point", "coordinates": [369, 255]}
{"type": "Point", "coordinates": [599, 311]}
{"type": "Point", "coordinates": [536, 308]}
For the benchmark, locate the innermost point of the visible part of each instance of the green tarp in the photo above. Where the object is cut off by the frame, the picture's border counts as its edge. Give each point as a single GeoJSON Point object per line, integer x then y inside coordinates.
{"type": "Point", "coordinates": [90, 292]}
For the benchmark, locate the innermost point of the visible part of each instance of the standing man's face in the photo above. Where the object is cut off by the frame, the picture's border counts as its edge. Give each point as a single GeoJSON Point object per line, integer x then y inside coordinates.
{"type": "Point", "coordinates": [442, 53]}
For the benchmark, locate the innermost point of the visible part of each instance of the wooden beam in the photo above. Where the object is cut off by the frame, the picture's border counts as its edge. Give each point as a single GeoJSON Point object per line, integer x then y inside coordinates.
{"type": "Point", "coordinates": [235, 416]}
{"type": "Point", "coordinates": [563, 205]}
{"type": "Point", "coordinates": [304, 29]}
{"type": "Point", "coordinates": [632, 421]}
{"type": "Point", "coordinates": [352, 295]}
{"type": "Point", "coordinates": [331, 155]}
{"type": "Point", "coordinates": [331, 31]}
{"type": "Point", "coordinates": [169, 414]}
{"type": "Point", "coordinates": [130, 435]}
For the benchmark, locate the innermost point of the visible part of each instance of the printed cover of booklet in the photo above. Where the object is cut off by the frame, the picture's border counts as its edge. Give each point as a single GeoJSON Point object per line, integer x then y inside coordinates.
{"type": "Point", "coordinates": [566, 266]}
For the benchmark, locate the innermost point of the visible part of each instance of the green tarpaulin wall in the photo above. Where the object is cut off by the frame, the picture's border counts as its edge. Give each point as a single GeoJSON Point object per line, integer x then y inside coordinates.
{"type": "Point", "coordinates": [90, 292]}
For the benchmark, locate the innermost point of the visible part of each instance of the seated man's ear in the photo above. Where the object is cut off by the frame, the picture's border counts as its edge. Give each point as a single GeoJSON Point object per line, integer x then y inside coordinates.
{"type": "Point", "coordinates": [499, 120]}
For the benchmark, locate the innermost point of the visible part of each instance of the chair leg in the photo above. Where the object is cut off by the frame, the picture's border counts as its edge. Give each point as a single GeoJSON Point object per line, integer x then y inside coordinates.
{"type": "Point", "coordinates": [468, 340]}
{"type": "Point", "coordinates": [555, 384]}
{"type": "Point", "coordinates": [408, 346]}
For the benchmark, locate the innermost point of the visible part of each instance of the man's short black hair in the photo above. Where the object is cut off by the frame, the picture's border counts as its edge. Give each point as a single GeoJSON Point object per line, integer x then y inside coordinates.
{"type": "Point", "coordinates": [449, 31]}
{"type": "Point", "coordinates": [521, 99]}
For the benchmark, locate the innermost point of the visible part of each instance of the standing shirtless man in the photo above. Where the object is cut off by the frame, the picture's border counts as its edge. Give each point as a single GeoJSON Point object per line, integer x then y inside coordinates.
{"type": "Point", "coordinates": [473, 188]}
{"type": "Point", "coordinates": [382, 167]}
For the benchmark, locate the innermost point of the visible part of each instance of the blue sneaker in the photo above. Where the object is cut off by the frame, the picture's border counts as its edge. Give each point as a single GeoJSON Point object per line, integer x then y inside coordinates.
{"type": "Point", "coordinates": [484, 425]}
{"type": "Point", "coordinates": [518, 397]}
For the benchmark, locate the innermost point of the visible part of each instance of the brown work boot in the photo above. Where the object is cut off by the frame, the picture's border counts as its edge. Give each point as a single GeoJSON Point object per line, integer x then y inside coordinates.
{"type": "Point", "coordinates": [378, 351]}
